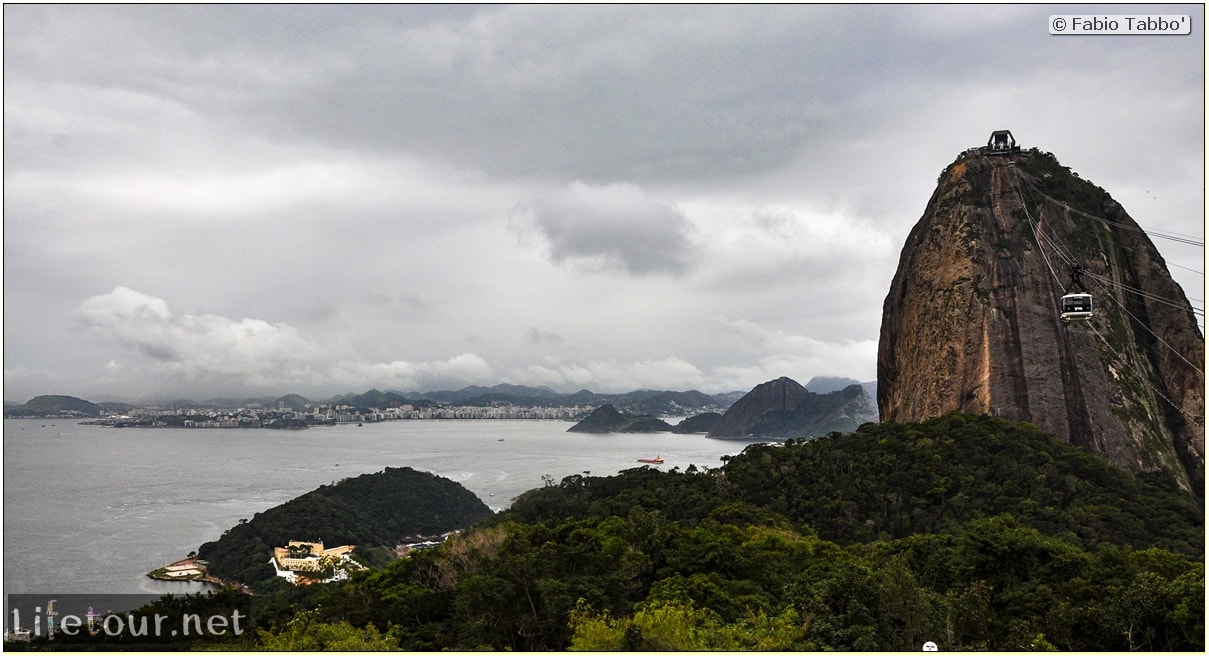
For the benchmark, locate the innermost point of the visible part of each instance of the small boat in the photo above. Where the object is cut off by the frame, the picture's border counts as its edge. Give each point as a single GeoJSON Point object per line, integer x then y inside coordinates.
{"type": "Point", "coordinates": [654, 461]}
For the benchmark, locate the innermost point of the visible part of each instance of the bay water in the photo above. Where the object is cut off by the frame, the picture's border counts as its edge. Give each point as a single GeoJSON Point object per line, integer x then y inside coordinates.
{"type": "Point", "coordinates": [91, 509]}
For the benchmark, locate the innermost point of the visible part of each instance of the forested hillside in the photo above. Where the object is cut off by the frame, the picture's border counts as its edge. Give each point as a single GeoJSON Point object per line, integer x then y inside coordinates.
{"type": "Point", "coordinates": [971, 532]}
{"type": "Point", "coordinates": [606, 419]}
{"type": "Point", "coordinates": [889, 481]}
{"type": "Point", "coordinates": [55, 406]}
{"type": "Point", "coordinates": [372, 511]}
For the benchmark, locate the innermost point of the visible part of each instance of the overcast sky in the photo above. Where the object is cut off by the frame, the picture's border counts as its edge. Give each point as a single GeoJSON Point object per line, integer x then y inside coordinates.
{"type": "Point", "coordinates": [218, 200]}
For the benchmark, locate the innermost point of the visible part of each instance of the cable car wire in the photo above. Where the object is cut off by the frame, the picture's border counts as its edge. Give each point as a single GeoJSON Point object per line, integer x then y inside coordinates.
{"type": "Point", "coordinates": [1070, 261]}
{"type": "Point", "coordinates": [1146, 379]}
{"type": "Point", "coordinates": [1091, 326]}
{"type": "Point", "coordinates": [1136, 228]}
{"type": "Point", "coordinates": [1184, 239]}
{"type": "Point", "coordinates": [1156, 336]}
{"type": "Point", "coordinates": [1158, 299]}
{"type": "Point", "coordinates": [1037, 235]}
{"type": "Point", "coordinates": [1186, 268]}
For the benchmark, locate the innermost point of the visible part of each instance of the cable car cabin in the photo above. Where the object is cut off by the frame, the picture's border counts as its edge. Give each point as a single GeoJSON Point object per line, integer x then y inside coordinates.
{"type": "Point", "coordinates": [1076, 307]}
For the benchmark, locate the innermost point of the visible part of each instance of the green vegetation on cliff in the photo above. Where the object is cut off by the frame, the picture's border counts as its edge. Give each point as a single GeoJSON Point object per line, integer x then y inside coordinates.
{"type": "Point", "coordinates": [971, 532]}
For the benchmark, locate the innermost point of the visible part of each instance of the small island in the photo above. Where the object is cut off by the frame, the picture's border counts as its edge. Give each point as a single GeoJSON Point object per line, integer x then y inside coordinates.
{"type": "Point", "coordinates": [607, 419]}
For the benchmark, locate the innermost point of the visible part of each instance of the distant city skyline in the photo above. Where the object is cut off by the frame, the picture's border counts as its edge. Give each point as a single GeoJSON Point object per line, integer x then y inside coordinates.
{"type": "Point", "coordinates": [210, 201]}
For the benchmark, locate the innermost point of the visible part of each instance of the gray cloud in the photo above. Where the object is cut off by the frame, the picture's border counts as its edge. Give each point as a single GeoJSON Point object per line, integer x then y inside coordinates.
{"type": "Point", "coordinates": [613, 92]}
{"type": "Point", "coordinates": [354, 180]}
{"type": "Point", "coordinates": [542, 338]}
{"type": "Point", "coordinates": [613, 226]}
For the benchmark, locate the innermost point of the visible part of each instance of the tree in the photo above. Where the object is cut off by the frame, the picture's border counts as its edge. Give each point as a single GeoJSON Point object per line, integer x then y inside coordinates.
{"type": "Point", "coordinates": [306, 632]}
{"type": "Point", "coordinates": [667, 626]}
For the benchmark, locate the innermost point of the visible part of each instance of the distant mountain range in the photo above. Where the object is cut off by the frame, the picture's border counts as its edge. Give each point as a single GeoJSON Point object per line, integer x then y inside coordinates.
{"type": "Point", "coordinates": [777, 409]}
{"type": "Point", "coordinates": [662, 403]}
{"type": "Point", "coordinates": [648, 402]}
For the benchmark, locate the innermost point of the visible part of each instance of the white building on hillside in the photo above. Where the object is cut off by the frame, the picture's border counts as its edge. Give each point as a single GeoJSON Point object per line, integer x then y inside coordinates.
{"type": "Point", "coordinates": [300, 562]}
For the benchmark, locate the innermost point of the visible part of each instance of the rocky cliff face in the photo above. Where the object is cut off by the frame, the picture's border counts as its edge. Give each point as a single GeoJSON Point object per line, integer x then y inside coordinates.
{"type": "Point", "coordinates": [971, 321]}
{"type": "Point", "coordinates": [782, 408]}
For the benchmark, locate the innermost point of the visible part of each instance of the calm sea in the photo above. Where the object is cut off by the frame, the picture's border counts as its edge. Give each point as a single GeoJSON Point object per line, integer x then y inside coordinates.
{"type": "Point", "coordinates": [91, 510]}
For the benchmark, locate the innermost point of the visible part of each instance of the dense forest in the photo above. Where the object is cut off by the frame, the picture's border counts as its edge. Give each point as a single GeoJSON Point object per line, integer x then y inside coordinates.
{"type": "Point", "coordinates": [972, 532]}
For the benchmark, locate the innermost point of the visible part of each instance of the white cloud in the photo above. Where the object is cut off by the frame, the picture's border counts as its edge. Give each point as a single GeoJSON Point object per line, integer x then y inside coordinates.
{"type": "Point", "coordinates": [200, 348]}
{"type": "Point", "coordinates": [123, 307]}
{"type": "Point", "coordinates": [459, 370]}
{"type": "Point", "coordinates": [800, 357]}
{"type": "Point", "coordinates": [252, 354]}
